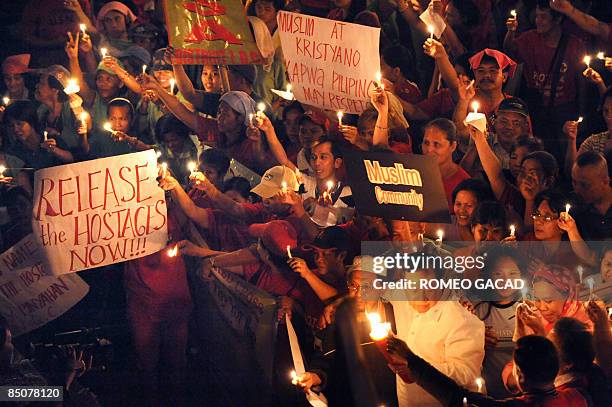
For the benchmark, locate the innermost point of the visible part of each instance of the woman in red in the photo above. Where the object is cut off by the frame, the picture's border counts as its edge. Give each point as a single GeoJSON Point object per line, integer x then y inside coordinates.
{"type": "Point", "coordinates": [159, 306]}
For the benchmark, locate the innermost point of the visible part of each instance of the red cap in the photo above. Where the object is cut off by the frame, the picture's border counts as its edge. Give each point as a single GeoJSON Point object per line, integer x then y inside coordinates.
{"type": "Point", "coordinates": [16, 64]}
{"type": "Point", "coordinates": [502, 59]}
{"type": "Point", "coordinates": [275, 235]}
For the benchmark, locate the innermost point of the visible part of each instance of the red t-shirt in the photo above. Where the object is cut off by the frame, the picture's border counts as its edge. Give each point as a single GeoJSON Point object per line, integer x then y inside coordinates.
{"type": "Point", "coordinates": [407, 91]}
{"type": "Point", "coordinates": [440, 104]}
{"type": "Point", "coordinates": [451, 183]}
{"type": "Point", "coordinates": [537, 58]}
{"type": "Point", "coordinates": [157, 283]}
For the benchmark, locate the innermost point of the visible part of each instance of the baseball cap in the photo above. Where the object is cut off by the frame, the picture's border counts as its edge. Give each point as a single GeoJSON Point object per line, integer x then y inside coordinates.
{"type": "Point", "coordinates": [366, 264]}
{"type": "Point", "coordinates": [58, 72]}
{"type": "Point", "coordinates": [248, 72]}
{"type": "Point", "coordinates": [272, 182]}
{"type": "Point", "coordinates": [275, 235]}
{"type": "Point", "coordinates": [515, 105]}
{"type": "Point", "coordinates": [135, 51]}
{"type": "Point", "coordinates": [16, 64]}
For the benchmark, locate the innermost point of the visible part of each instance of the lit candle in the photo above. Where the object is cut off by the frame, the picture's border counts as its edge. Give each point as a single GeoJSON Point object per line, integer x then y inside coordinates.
{"type": "Point", "coordinates": [475, 106]}
{"type": "Point", "coordinates": [587, 60]}
{"type": "Point", "coordinates": [378, 82]}
{"type": "Point", "coordinates": [173, 252]}
{"type": "Point", "coordinates": [83, 117]}
{"type": "Point", "coordinates": [580, 271]}
{"type": "Point", "coordinates": [330, 186]}
{"type": "Point", "coordinates": [567, 209]}
{"type": "Point", "coordinates": [420, 237]}
{"type": "Point", "coordinates": [512, 230]}
{"type": "Point", "coordinates": [289, 252]}
{"type": "Point", "coordinates": [430, 28]}
{"type": "Point", "coordinates": [479, 383]}
{"type": "Point", "coordinates": [340, 115]}
{"type": "Point", "coordinates": [83, 27]}
{"type": "Point", "coordinates": [158, 153]}
{"type": "Point", "coordinates": [284, 189]}
{"type": "Point", "coordinates": [172, 83]}
{"type": "Point", "coordinates": [251, 119]}
{"type": "Point", "coordinates": [6, 100]}
{"type": "Point", "coordinates": [288, 88]}
{"type": "Point", "coordinates": [440, 234]}
{"type": "Point", "coordinates": [580, 119]}
{"type": "Point", "coordinates": [294, 377]}
{"type": "Point", "coordinates": [45, 135]}
{"type": "Point", "coordinates": [591, 283]}
{"type": "Point", "coordinates": [73, 86]}
{"type": "Point", "coordinates": [465, 402]}
{"type": "Point", "coordinates": [2, 169]}
{"type": "Point", "coordinates": [144, 69]}
{"type": "Point", "coordinates": [601, 55]}
{"type": "Point", "coordinates": [192, 166]}
{"type": "Point", "coordinates": [378, 330]}
{"type": "Point", "coordinates": [513, 13]}
{"type": "Point", "coordinates": [108, 127]}
{"type": "Point", "coordinates": [103, 51]}
{"type": "Point", "coordinates": [261, 106]}
{"type": "Point", "coordinates": [164, 167]}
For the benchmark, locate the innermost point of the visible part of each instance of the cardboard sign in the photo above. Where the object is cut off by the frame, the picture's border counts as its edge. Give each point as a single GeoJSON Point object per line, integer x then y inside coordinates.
{"type": "Point", "coordinates": [29, 298]}
{"type": "Point", "coordinates": [94, 213]}
{"type": "Point", "coordinates": [397, 186]}
{"type": "Point", "coordinates": [331, 64]}
{"type": "Point", "coordinates": [210, 32]}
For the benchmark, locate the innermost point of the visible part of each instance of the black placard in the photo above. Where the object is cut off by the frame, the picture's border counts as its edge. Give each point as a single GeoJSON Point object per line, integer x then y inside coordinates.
{"type": "Point", "coordinates": [397, 186]}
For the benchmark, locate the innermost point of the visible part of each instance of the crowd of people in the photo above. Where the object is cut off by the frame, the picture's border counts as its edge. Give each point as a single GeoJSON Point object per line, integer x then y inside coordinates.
{"type": "Point", "coordinates": [270, 199]}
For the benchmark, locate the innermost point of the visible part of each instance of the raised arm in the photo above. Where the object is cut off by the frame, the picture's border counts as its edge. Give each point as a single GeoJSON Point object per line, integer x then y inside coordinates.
{"type": "Point", "coordinates": [220, 200]}
{"type": "Point", "coordinates": [586, 22]}
{"type": "Point", "coordinates": [193, 212]}
{"type": "Point", "coordinates": [122, 74]}
{"type": "Point", "coordinates": [278, 151]}
{"type": "Point", "coordinates": [436, 50]}
{"type": "Point", "coordinates": [72, 50]}
{"type": "Point", "coordinates": [183, 82]}
{"type": "Point", "coordinates": [490, 162]}
{"type": "Point", "coordinates": [172, 102]}
{"type": "Point", "coordinates": [380, 101]}
{"type": "Point", "coordinates": [465, 93]}
{"type": "Point", "coordinates": [510, 38]}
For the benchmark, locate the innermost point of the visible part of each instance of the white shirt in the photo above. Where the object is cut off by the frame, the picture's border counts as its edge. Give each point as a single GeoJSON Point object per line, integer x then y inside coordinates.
{"type": "Point", "coordinates": [447, 336]}
{"type": "Point", "coordinates": [326, 216]}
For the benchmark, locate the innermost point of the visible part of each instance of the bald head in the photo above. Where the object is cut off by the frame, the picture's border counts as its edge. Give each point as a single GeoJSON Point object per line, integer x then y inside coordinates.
{"type": "Point", "coordinates": [590, 177]}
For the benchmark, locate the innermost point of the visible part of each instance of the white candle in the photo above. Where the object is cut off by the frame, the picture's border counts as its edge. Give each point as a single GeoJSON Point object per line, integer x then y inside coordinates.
{"type": "Point", "coordinates": [164, 167]}
{"type": "Point", "coordinates": [465, 402]}
{"type": "Point", "coordinates": [144, 69]}
{"type": "Point", "coordinates": [172, 83]}
{"type": "Point", "coordinates": [45, 135]}
{"type": "Point", "coordinates": [288, 88]}
{"type": "Point", "coordinates": [440, 234]}
{"type": "Point", "coordinates": [284, 189]}
{"type": "Point", "coordinates": [567, 209]}
{"type": "Point", "coordinates": [479, 383]}
{"type": "Point", "coordinates": [601, 55]}
{"type": "Point", "coordinates": [103, 51]}
{"type": "Point", "coordinates": [2, 169]}
{"type": "Point", "coordinates": [591, 283]}
{"type": "Point", "coordinates": [340, 115]}
{"type": "Point", "coordinates": [587, 60]}
{"type": "Point", "coordinates": [261, 106]}
{"type": "Point", "coordinates": [83, 27]}
{"type": "Point", "coordinates": [430, 28]}
{"type": "Point", "coordinates": [6, 100]}
{"type": "Point", "coordinates": [513, 13]}
{"type": "Point", "coordinates": [512, 230]}
{"type": "Point", "coordinates": [580, 271]}
{"type": "Point", "coordinates": [580, 119]}
{"type": "Point", "coordinates": [83, 117]}
{"type": "Point", "coordinates": [192, 166]}
{"type": "Point", "coordinates": [475, 106]}
{"type": "Point", "coordinates": [289, 252]}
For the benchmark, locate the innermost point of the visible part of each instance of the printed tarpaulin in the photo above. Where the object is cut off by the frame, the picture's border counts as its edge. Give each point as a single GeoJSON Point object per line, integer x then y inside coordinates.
{"type": "Point", "coordinates": [212, 32]}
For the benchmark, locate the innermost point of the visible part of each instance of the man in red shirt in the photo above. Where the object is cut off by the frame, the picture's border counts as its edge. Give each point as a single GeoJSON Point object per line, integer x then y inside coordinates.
{"type": "Point", "coordinates": [552, 66]}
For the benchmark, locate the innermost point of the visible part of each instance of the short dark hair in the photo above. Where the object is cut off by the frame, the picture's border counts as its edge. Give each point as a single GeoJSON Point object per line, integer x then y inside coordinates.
{"type": "Point", "coordinates": [397, 56]}
{"type": "Point", "coordinates": [478, 187]}
{"type": "Point", "coordinates": [531, 143]}
{"type": "Point", "coordinates": [216, 159]}
{"type": "Point", "coordinates": [546, 160]}
{"type": "Point", "coordinates": [23, 111]}
{"type": "Point", "coordinates": [556, 200]}
{"type": "Point", "coordinates": [295, 105]}
{"type": "Point", "coordinates": [168, 123]}
{"type": "Point", "coordinates": [468, 11]}
{"type": "Point", "coordinates": [238, 184]}
{"type": "Point", "coordinates": [574, 343]}
{"type": "Point", "coordinates": [335, 147]}
{"type": "Point", "coordinates": [590, 158]}
{"type": "Point", "coordinates": [498, 252]}
{"type": "Point", "coordinates": [446, 126]}
{"type": "Point", "coordinates": [278, 6]}
{"type": "Point", "coordinates": [537, 358]}
{"type": "Point", "coordinates": [489, 213]}
{"type": "Point", "coordinates": [545, 5]}
{"type": "Point", "coordinates": [121, 102]}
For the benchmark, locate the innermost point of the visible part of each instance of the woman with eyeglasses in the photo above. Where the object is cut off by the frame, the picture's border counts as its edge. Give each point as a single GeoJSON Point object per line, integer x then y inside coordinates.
{"type": "Point", "coordinates": [563, 243]}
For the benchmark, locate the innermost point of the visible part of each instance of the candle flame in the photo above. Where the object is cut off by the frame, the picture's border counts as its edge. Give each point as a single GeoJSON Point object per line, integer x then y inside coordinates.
{"type": "Point", "coordinates": [82, 27]}
{"type": "Point", "coordinates": [513, 13]}
{"type": "Point", "coordinates": [83, 116]}
{"type": "Point", "coordinates": [378, 77]}
{"type": "Point", "coordinates": [191, 166]}
{"type": "Point", "coordinates": [288, 87]}
{"type": "Point", "coordinates": [440, 234]}
{"type": "Point", "coordinates": [2, 169]}
{"type": "Point", "coordinates": [512, 230]}
{"type": "Point", "coordinates": [289, 252]}
{"type": "Point", "coordinates": [330, 185]}
{"type": "Point", "coordinates": [567, 207]}
{"type": "Point", "coordinates": [601, 55]}
{"type": "Point", "coordinates": [340, 114]}
{"type": "Point", "coordinates": [107, 126]}
{"type": "Point", "coordinates": [580, 119]}
{"type": "Point", "coordinates": [173, 252]}
{"type": "Point", "coordinates": [475, 106]}
{"type": "Point", "coordinates": [6, 100]}
{"type": "Point", "coordinates": [586, 59]}
{"type": "Point", "coordinates": [103, 51]}
{"type": "Point", "coordinates": [379, 330]}
{"type": "Point", "coordinates": [172, 83]}
{"type": "Point", "coordinates": [164, 167]}
{"type": "Point", "coordinates": [261, 106]}
{"type": "Point", "coordinates": [430, 29]}
{"type": "Point", "coordinates": [479, 383]}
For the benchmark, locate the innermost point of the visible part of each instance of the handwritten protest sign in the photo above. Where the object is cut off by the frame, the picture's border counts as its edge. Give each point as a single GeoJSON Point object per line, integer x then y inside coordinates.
{"type": "Point", "coordinates": [94, 213]}
{"type": "Point", "coordinates": [29, 298]}
{"type": "Point", "coordinates": [397, 186]}
{"type": "Point", "coordinates": [331, 64]}
{"type": "Point", "coordinates": [210, 32]}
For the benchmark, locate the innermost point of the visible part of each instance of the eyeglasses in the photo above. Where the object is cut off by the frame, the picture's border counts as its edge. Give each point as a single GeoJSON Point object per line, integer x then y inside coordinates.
{"type": "Point", "coordinates": [356, 288]}
{"type": "Point", "coordinates": [538, 216]}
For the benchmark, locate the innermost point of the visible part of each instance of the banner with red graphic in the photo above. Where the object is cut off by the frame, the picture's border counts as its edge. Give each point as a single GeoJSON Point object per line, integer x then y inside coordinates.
{"type": "Point", "coordinates": [210, 32]}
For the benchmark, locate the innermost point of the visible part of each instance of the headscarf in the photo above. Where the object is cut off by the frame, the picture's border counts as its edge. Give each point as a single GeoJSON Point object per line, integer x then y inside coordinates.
{"type": "Point", "coordinates": [241, 103]}
{"type": "Point", "coordinates": [502, 59]}
{"type": "Point", "coordinates": [563, 280]}
{"type": "Point", "coordinates": [113, 6]}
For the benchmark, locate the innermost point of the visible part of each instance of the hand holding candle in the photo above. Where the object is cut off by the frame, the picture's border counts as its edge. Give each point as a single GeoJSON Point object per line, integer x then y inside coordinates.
{"type": "Point", "coordinates": [173, 252]}
{"type": "Point", "coordinates": [289, 255]}
{"type": "Point", "coordinates": [567, 209]}
{"type": "Point", "coordinates": [83, 27]}
{"type": "Point", "coordinates": [476, 119]}
{"type": "Point", "coordinates": [587, 60]}
{"type": "Point", "coordinates": [479, 384]}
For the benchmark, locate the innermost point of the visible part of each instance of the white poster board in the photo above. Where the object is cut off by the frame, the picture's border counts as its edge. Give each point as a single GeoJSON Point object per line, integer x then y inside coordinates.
{"type": "Point", "coordinates": [100, 212]}
{"type": "Point", "coordinates": [331, 64]}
